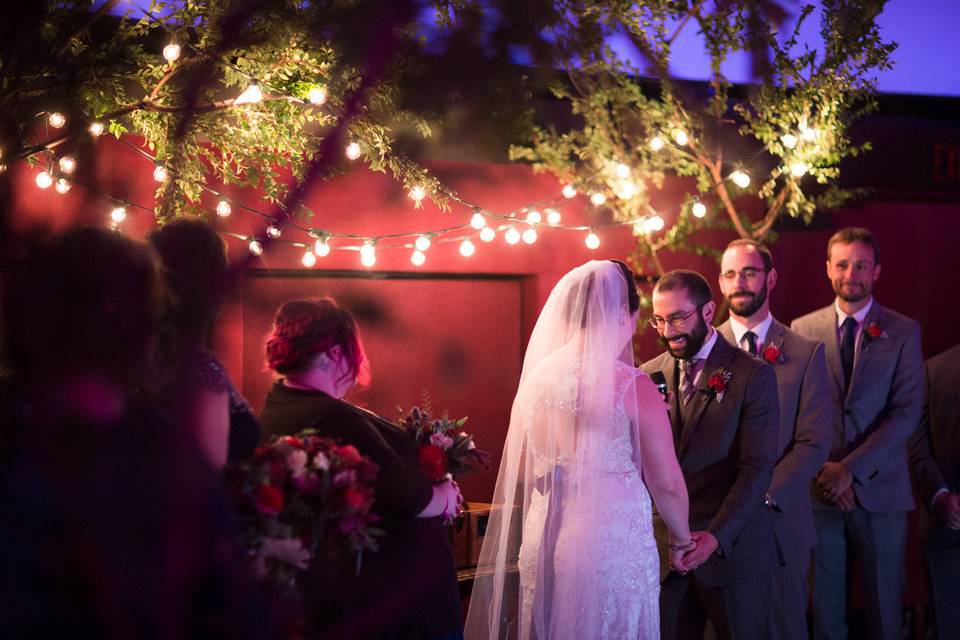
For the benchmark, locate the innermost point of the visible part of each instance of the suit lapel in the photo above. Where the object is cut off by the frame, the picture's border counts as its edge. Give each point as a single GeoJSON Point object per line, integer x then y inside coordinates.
{"type": "Point", "coordinates": [774, 337]}
{"type": "Point", "coordinates": [720, 356]}
{"type": "Point", "coordinates": [827, 334]}
{"type": "Point", "coordinates": [863, 349]}
{"type": "Point", "coordinates": [671, 371]}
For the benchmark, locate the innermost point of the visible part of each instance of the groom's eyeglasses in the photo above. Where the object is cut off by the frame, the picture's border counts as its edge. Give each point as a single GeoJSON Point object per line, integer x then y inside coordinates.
{"type": "Point", "coordinates": [676, 321]}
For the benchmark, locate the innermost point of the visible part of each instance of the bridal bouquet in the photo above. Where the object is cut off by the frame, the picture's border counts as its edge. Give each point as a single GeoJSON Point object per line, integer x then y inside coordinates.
{"type": "Point", "coordinates": [298, 493]}
{"type": "Point", "coordinates": [443, 447]}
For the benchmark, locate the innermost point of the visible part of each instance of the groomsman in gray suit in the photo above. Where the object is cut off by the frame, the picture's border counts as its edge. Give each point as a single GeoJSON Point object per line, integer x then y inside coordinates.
{"type": "Point", "coordinates": [724, 412]}
{"type": "Point", "coordinates": [747, 275]}
{"type": "Point", "coordinates": [863, 492]}
{"type": "Point", "coordinates": [935, 466]}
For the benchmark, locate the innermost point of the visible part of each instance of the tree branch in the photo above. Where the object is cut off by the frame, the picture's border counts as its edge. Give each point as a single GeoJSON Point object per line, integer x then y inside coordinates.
{"type": "Point", "coordinates": [763, 228]}
{"type": "Point", "coordinates": [727, 202]}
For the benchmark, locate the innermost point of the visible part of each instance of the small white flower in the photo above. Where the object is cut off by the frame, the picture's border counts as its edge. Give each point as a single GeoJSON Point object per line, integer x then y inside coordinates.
{"type": "Point", "coordinates": [297, 463]}
{"type": "Point", "coordinates": [320, 461]}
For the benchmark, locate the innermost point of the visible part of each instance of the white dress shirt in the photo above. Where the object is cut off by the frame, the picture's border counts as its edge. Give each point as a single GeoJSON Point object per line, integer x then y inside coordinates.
{"type": "Point", "coordinates": [740, 330]}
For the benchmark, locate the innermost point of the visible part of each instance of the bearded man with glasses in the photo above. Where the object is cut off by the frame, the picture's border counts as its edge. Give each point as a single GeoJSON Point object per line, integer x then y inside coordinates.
{"type": "Point", "coordinates": [724, 412]}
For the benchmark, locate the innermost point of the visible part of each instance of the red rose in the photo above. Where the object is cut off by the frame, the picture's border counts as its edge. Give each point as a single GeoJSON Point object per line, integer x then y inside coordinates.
{"type": "Point", "coordinates": [771, 354]}
{"type": "Point", "coordinates": [269, 499]}
{"type": "Point", "coordinates": [874, 331]}
{"type": "Point", "coordinates": [355, 498]}
{"type": "Point", "coordinates": [349, 454]}
{"type": "Point", "coordinates": [717, 383]}
{"type": "Point", "coordinates": [293, 441]}
{"type": "Point", "coordinates": [433, 461]}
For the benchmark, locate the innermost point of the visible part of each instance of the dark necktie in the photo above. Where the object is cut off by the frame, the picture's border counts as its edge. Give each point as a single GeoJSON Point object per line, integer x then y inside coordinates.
{"type": "Point", "coordinates": [751, 342]}
{"type": "Point", "coordinates": [847, 342]}
{"type": "Point", "coordinates": [688, 372]}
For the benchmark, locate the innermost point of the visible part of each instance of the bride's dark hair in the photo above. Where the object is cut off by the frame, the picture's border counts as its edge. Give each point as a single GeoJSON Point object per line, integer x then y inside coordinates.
{"type": "Point", "coordinates": [633, 296]}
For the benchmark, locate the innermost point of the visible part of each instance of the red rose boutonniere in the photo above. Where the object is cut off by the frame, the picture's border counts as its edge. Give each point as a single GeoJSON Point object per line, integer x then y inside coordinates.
{"type": "Point", "coordinates": [717, 383]}
{"type": "Point", "coordinates": [874, 331]}
{"type": "Point", "coordinates": [772, 354]}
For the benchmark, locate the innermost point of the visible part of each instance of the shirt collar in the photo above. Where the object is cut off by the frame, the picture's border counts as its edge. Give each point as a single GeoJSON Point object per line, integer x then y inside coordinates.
{"type": "Point", "coordinates": [858, 316]}
{"type": "Point", "coordinates": [739, 329]}
{"type": "Point", "coordinates": [707, 347]}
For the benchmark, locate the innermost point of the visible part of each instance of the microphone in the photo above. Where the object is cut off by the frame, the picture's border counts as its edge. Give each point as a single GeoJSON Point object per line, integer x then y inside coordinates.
{"type": "Point", "coordinates": [660, 381]}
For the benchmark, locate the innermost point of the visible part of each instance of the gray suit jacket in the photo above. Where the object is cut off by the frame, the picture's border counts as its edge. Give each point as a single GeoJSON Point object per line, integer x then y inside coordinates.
{"type": "Point", "coordinates": [882, 408]}
{"type": "Point", "coordinates": [935, 447]}
{"type": "Point", "coordinates": [806, 431]}
{"type": "Point", "coordinates": [726, 450]}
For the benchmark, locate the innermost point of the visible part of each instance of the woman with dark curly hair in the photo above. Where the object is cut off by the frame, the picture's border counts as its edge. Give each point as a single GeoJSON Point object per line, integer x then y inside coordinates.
{"type": "Point", "coordinates": [406, 589]}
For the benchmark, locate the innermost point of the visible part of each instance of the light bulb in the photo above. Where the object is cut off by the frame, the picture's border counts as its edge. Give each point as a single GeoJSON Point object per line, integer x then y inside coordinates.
{"type": "Point", "coordinates": [95, 128]}
{"type": "Point", "coordinates": [422, 243]}
{"type": "Point", "coordinates": [368, 260]}
{"type": "Point", "coordinates": [512, 236]}
{"type": "Point", "coordinates": [680, 137]}
{"type": "Point", "coordinates": [569, 191]}
{"type": "Point", "coordinates": [321, 247]}
{"type": "Point", "coordinates": [118, 214]}
{"type": "Point", "coordinates": [57, 119]}
{"type": "Point", "coordinates": [534, 217]}
{"type": "Point", "coordinates": [171, 52]}
{"type": "Point", "coordinates": [418, 258]}
{"type": "Point", "coordinates": [529, 235]}
{"type": "Point", "coordinates": [273, 231]}
{"type": "Point", "coordinates": [309, 259]}
{"type": "Point", "coordinates": [740, 178]}
{"type": "Point", "coordinates": [798, 168]}
{"type": "Point", "coordinates": [487, 234]}
{"type": "Point", "coordinates": [467, 248]}
{"type": "Point", "coordinates": [654, 223]}
{"type": "Point", "coordinates": [160, 173]}
{"type": "Point", "coordinates": [352, 151]}
{"type": "Point", "coordinates": [592, 240]}
{"type": "Point", "coordinates": [789, 140]}
{"type": "Point", "coordinates": [224, 209]}
{"type": "Point", "coordinates": [623, 171]}
{"type": "Point", "coordinates": [67, 164]}
{"type": "Point", "coordinates": [478, 221]}
{"type": "Point", "coordinates": [255, 247]}
{"type": "Point", "coordinates": [368, 250]}
{"type": "Point", "coordinates": [809, 134]}
{"type": "Point", "coordinates": [417, 194]}
{"type": "Point", "coordinates": [699, 209]}
{"type": "Point", "coordinates": [553, 216]}
{"type": "Point", "coordinates": [317, 95]}
{"type": "Point", "coordinates": [63, 185]}
{"type": "Point", "coordinates": [656, 143]}
{"type": "Point", "coordinates": [251, 95]}
{"type": "Point", "coordinates": [627, 190]}
{"type": "Point", "coordinates": [597, 198]}
{"type": "Point", "coordinates": [44, 180]}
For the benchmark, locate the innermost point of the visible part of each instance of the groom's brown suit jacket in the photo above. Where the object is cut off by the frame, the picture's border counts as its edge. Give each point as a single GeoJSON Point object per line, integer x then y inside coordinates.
{"type": "Point", "coordinates": [727, 449]}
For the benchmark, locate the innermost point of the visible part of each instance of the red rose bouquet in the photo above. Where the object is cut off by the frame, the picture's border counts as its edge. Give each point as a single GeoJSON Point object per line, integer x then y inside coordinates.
{"type": "Point", "coordinates": [443, 447]}
{"type": "Point", "coordinates": [298, 493]}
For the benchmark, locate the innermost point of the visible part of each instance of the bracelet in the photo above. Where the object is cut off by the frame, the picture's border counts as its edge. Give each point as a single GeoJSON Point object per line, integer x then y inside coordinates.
{"type": "Point", "coordinates": [686, 546]}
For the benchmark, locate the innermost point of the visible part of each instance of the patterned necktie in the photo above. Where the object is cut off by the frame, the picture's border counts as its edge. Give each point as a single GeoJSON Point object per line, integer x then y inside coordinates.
{"type": "Point", "coordinates": [751, 342]}
{"type": "Point", "coordinates": [688, 371]}
{"type": "Point", "coordinates": [847, 342]}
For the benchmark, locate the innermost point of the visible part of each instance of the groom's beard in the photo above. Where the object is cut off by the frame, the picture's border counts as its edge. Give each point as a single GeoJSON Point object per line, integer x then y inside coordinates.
{"type": "Point", "coordinates": [746, 303]}
{"type": "Point", "coordinates": [693, 341]}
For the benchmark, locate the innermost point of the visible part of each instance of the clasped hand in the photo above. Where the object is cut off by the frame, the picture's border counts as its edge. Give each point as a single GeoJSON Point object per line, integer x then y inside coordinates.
{"type": "Point", "coordinates": [704, 545]}
{"type": "Point", "coordinates": [834, 481]}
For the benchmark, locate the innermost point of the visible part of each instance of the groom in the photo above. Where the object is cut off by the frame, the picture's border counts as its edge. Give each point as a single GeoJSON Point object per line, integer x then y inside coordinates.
{"type": "Point", "coordinates": [724, 411]}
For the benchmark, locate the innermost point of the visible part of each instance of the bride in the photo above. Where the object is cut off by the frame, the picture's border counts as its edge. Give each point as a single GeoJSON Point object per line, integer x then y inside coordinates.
{"type": "Point", "coordinates": [589, 437]}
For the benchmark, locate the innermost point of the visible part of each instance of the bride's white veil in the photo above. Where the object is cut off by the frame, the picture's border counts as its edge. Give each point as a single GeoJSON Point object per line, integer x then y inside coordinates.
{"type": "Point", "coordinates": [553, 455]}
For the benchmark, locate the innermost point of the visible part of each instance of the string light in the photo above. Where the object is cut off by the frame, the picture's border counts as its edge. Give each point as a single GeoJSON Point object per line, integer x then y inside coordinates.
{"type": "Point", "coordinates": [63, 185]}
{"type": "Point", "coordinates": [95, 129]}
{"type": "Point", "coordinates": [418, 258]}
{"type": "Point", "coordinates": [352, 151]}
{"type": "Point", "coordinates": [44, 180]}
{"type": "Point", "coordinates": [627, 190]}
{"type": "Point", "coordinates": [255, 247]}
{"type": "Point", "coordinates": [512, 236]}
{"type": "Point", "coordinates": [656, 143]}
{"type": "Point", "coordinates": [592, 241]}
{"type": "Point", "coordinates": [118, 214]}
{"type": "Point", "coordinates": [534, 217]}
{"type": "Point", "coordinates": [171, 52]}
{"type": "Point", "coordinates": [422, 243]}
{"type": "Point", "coordinates": [568, 191]}
{"type": "Point", "coordinates": [553, 216]}
{"type": "Point", "coordinates": [740, 178]}
{"type": "Point", "coordinates": [56, 119]}
{"type": "Point", "coordinates": [478, 221]}
{"type": "Point", "coordinates": [654, 223]}
{"type": "Point", "coordinates": [251, 95]}
{"type": "Point", "coordinates": [529, 235]}
{"type": "Point", "coordinates": [623, 171]}
{"type": "Point", "coordinates": [417, 194]}
{"type": "Point", "coordinates": [321, 248]}
{"type": "Point", "coordinates": [798, 168]}
{"type": "Point", "coordinates": [487, 234]}
{"type": "Point", "coordinates": [67, 164]}
{"type": "Point", "coordinates": [224, 209]}
{"type": "Point", "coordinates": [368, 254]}
{"type": "Point", "coordinates": [467, 248]}
{"type": "Point", "coordinates": [809, 134]}
{"type": "Point", "coordinates": [597, 198]}
{"type": "Point", "coordinates": [160, 173]}
{"type": "Point", "coordinates": [273, 231]}
{"type": "Point", "coordinates": [699, 209]}
{"type": "Point", "coordinates": [680, 137]}
{"type": "Point", "coordinates": [309, 259]}
{"type": "Point", "coordinates": [789, 140]}
{"type": "Point", "coordinates": [317, 95]}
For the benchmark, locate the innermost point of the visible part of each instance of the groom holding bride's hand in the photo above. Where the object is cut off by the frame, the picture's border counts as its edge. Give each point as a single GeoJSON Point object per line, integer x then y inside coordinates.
{"type": "Point", "coordinates": [724, 410]}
